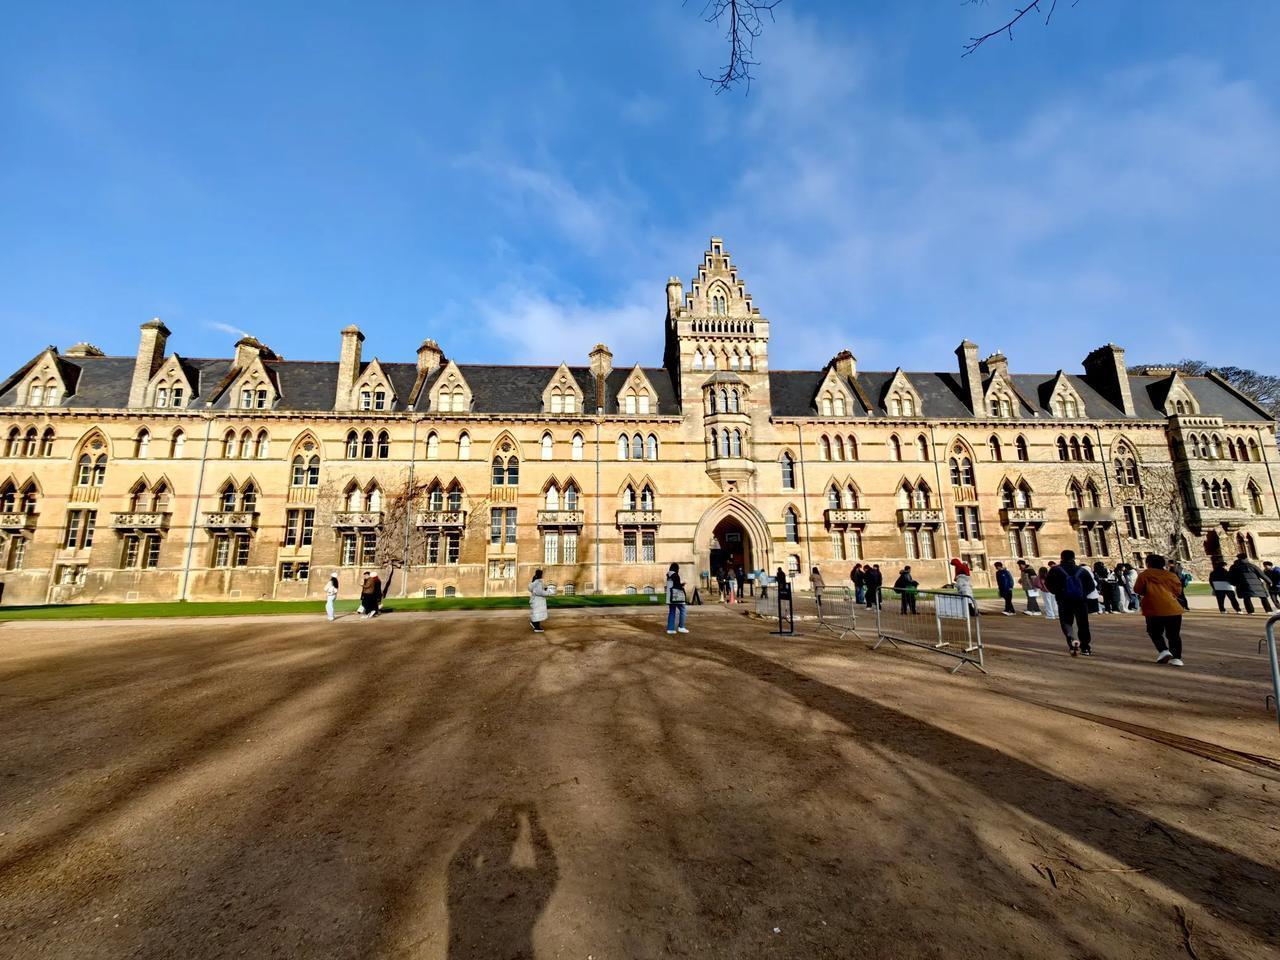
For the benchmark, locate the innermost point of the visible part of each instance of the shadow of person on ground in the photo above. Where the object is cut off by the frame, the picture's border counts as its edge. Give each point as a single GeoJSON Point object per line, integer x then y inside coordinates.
{"type": "Point", "coordinates": [500, 879]}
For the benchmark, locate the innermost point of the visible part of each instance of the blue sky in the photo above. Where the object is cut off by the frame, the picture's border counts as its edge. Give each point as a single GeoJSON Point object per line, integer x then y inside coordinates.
{"type": "Point", "coordinates": [518, 180]}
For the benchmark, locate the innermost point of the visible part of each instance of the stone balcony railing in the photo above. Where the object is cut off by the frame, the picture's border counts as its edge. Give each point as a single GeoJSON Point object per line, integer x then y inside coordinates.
{"type": "Point", "coordinates": [846, 516]}
{"type": "Point", "coordinates": [639, 518]}
{"type": "Point", "coordinates": [560, 518]}
{"type": "Point", "coordinates": [140, 520]}
{"type": "Point", "coordinates": [1229, 518]}
{"type": "Point", "coordinates": [1013, 515]}
{"type": "Point", "coordinates": [1078, 515]}
{"type": "Point", "coordinates": [441, 518]}
{"type": "Point", "coordinates": [920, 517]}
{"type": "Point", "coordinates": [15, 521]}
{"type": "Point", "coordinates": [231, 520]}
{"type": "Point", "coordinates": [358, 519]}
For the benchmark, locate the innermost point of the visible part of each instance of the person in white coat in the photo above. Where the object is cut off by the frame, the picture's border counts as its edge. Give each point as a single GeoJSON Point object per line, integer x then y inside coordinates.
{"type": "Point", "coordinates": [537, 602]}
{"type": "Point", "coordinates": [330, 594]}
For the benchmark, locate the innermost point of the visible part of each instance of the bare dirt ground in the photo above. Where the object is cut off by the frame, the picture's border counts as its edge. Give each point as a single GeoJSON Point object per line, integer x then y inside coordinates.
{"type": "Point", "coordinates": [452, 786]}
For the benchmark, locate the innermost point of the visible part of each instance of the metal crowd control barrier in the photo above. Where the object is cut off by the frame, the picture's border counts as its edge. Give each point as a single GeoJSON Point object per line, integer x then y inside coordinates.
{"type": "Point", "coordinates": [1275, 664]}
{"type": "Point", "coordinates": [786, 612]}
{"type": "Point", "coordinates": [940, 620]}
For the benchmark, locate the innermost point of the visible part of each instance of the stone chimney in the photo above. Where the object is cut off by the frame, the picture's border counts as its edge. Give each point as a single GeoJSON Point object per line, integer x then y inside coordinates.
{"type": "Point", "coordinates": [151, 346]}
{"type": "Point", "coordinates": [601, 367]}
{"type": "Point", "coordinates": [430, 358]}
{"type": "Point", "coordinates": [996, 363]}
{"type": "Point", "coordinates": [675, 296]}
{"type": "Point", "coordinates": [845, 364]}
{"type": "Point", "coordinates": [248, 349]}
{"type": "Point", "coordinates": [348, 367]}
{"type": "Point", "coordinates": [970, 375]}
{"type": "Point", "coordinates": [1105, 370]}
{"type": "Point", "coordinates": [83, 349]}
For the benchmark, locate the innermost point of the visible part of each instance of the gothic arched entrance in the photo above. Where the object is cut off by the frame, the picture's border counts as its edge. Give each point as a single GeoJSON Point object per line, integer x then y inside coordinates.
{"type": "Point", "coordinates": [732, 530]}
{"type": "Point", "coordinates": [730, 546]}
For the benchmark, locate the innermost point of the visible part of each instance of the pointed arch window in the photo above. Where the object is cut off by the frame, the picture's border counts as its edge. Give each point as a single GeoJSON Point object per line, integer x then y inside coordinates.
{"type": "Point", "coordinates": [433, 446]}
{"type": "Point", "coordinates": [499, 472]}
{"type": "Point", "coordinates": [651, 447]}
{"type": "Point", "coordinates": [837, 452]}
{"type": "Point", "coordinates": [464, 446]}
{"type": "Point", "coordinates": [833, 498]}
{"type": "Point", "coordinates": [366, 444]}
{"type": "Point", "coordinates": [791, 525]}
{"type": "Point", "coordinates": [788, 464]}
{"type": "Point", "coordinates": [577, 446]}
{"type": "Point", "coordinates": [895, 448]}
{"type": "Point", "coordinates": [177, 444]}
{"type": "Point", "coordinates": [513, 472]}
{"type": "Point", "coordinates": [624, 447]}
{"type": "Point", "coordinates": [551, 499]}
{"type": "Point", "coordinates": [1228, 495]}
{"type": "Point", "coordinates": [263, 445]}
{"type": "Point", "coordinates": [455, 496]}
{"type": "Point", "coordinates": [1020, 445]}
{"type": "Point", "coordinates": [227, 498]}
{"type": "Point", "coordinates": [1062, 449]}
{"type": "Point", "coordinates": [629, 498]}
{"type": "Point", "coordinates": [353, 445]}
{"type": "Point", "coordinates": [230, 445]}
{"type": "Point", "coordinates": [824, 448]}
{"type": "Point", "coordinates": [384, 445]}
{"type": "Point", "coordinates": [1086, 445]}
{"type": "Point", "coordinates": [697, 359]}
{"type": "Point", "coordinates": [84, 470]}
{"type": "Point", "coordinates": [993, 445]}
{"type": "Point", "coordinates": [1075, 449]}
{"type": "Point", "coordinates": [839, 406]}
{"type": "Point", "coordinates": [737, 443]}
{"type": "Point", "coordinates": [1255, 498]}
{"type": "Point", "coordinates": [571, 496]}
{"type": "Point", "coordinates": [249, 497]}
{"type": "Point", "coordinates": [99, 469]}
{"type": "Point", "coordinates": [142, 446]}
{"type": "Point", "coordinates": [851, 447]}
{"type": "Point", "coordinates": [922, 448]}
{"type": "Point", "coordinates": [637, 447]}
{"type": "Point", "coordinates": [646, 498]}
{"type": "Point", "coordinates": [548, 448]}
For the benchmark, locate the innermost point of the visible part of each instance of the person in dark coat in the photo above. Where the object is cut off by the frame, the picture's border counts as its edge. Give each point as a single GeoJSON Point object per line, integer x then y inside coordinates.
{"type": "Point", "coordinates": [1250, 582]}
{"type": "Point", "coordinates": [1272, 573]}
{"type": "Point", "coordinates": [370, 595]}
{"type": "Point", "coordinates": [1223, 588]}
{"type": "Point", "coordinates": [1004, 583]}
{"type": "Point", "coordinates": [1070, 584]}
{"type": "Point", "coordinates": [906, 586]}
{"type": "Point", "coordinates": [874, 581]}
{"type": "Point", "coordinates": [859, 578]}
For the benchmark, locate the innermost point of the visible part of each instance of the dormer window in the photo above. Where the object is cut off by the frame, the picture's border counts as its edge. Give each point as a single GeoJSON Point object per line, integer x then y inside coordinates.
{"type": "Point", "coordinates": [177, 395]}
{"type": "Point", "coordinates": [162, 396]}
{"type": "Point", "coordinates": [366, 400]}
{"type": "Point", "coordinates": [380, 400]}
{"type": "Point", "coordinates": [246, 399]}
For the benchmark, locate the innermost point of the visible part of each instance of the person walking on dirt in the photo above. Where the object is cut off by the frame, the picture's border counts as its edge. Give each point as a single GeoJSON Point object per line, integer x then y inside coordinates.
{"type": "Point", "coordinates": [1046, 598]}
{"type": "Point", "coordinates": [1070, 585]}
{"type": "Point", "coordinates": [675, 601]}
{"type": "Point", "coordinates": [1004, 583]}
{"type": "Point", "coordinates": [370, 595]}
{"type": "Point", "coordinates": [906, 587]}
{"type": "Point", "coordinates": [817, 584]}
{"type": "Point", "coordinates": [742, 582]}
{"type": "Point", "coordinates": [1222, 587]}
{"type": "Point", "coordinates": [1161, 593]}
{"type": "Point", "coordinates": [1272, 574]}
{"type": "Point", "coordinates": [330, 594]}
{"type": "Point", "coordinates": [1027, 579]}
{"type": "Point", "coordinates": [1250, 583]}
{"type": "Point", "coordinates": [537, 602]}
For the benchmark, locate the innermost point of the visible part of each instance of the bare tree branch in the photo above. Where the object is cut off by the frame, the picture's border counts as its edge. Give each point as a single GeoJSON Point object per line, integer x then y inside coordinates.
{"type": "Point", "coordinates": [745, 23]}
{"type": "Point", "coordinates": [1039, 6]}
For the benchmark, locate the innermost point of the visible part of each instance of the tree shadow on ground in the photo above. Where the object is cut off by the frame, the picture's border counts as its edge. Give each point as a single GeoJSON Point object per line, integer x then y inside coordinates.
{"type": "Point", "coordinates": [1218, 879]}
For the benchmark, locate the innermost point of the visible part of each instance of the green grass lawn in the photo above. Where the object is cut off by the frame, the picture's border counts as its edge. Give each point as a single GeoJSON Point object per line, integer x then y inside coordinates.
{"type": "Point", "coordinates": [245, 608]}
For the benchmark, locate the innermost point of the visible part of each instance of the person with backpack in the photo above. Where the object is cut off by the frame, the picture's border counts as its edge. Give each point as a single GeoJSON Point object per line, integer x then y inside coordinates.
{"type": "Point", "coordinates": [1070, 585]}
{"type": "Point", "coordinates": [906, 586]}
{"type": "Point", "coordinates": [675, 601]}
{"type": "Point", "coordinates": [1222, 587]}
{"type": "Point", "coordinates": [1004, 583]}
{"type": "Point", "coordinates": [1162, 604]}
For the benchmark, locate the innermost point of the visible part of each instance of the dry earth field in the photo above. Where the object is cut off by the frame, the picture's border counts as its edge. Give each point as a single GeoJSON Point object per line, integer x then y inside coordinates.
{"type": "Point", "coordinates": [450, 785]}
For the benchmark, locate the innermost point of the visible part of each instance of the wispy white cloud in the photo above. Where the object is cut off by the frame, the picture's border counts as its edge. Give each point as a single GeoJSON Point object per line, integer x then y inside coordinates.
{"type": "Point", "coordinates": [225, 328]}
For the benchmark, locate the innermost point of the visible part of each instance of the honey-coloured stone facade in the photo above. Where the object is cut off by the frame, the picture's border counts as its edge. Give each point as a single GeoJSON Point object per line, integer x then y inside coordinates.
{"type": "Point", "coordinates": [159, 477]}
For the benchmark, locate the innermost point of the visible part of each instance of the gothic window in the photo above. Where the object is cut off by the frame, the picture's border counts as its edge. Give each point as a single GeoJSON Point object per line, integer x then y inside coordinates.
{"type": "Point", "coordinates": [833, 498]}
{"type": "Point", "coordinates": [177, 444]}
{"type": "Point", "coordinates": [384, 445]}
{"type": "Point", "coordinates": [513, 472]}
{"type": "Point", "coordinates": [142, 446]}
{"type": "Point", "coordinates": [464, 446]}
{"type": "Point", "coordinates": [433, 446]}
{"type": "Point", "coordinates": [227, 498]}
{"type": "Point", "coordinates": [827, 406]}
{"type": "Point", "coordinates": [1228, 497]}
{"type": "Point", "coordinates": [791, 524]}
{"type": "Point", "coordinates": [230, 445]}
{"type": "Point", "coordinates": [1255, 498]}
{"type": "Point", "coordinates": [1204, 493]}
{"type": "Point", "coordinates": [725, 444]}
{"type": "Point", "coordinates": [1075, 494]}
{"type": "Point", "coordinates": [651, 447]}
{"type": "Point", "coordinates": [548, 446]}
{"type": "Point", "coordinates": [624, 447]}
{"type": "Point", "coordinates": [851, 447]}
{"type": "Point", "coordinates": [922, 448]}
{"type": "Point", "coordinates": [499, 472]}
{"type": "Point", "coordinates": [577, 446]}
{"type": "Point", "coordinates": [746, 359]}
{"type": "Point", "coordinates": [455, 496]}
{"type": "Point", "coordinates": [629, 498]}
{"type": "Point", "coordinates": [379, 399]}
{"type": "Point", "coordinates": [737, 443]}
{"type": "Point", "coordinates": [839, 406]}
{"type": "Point", "coordinates": [366, 445]}
{"type": "Point", "coordinates": [733, 402]}
{"type": "Point", "coordinates": [1075, 449]}
{"type": "Point", "coordinates": [895, 448]}
{"type": "Point", "coordinates": [1062, 449]}
{"type": "Point", "coordinates": [1087, 447]}
{"type": "Point", "coordinates": [263, 445]}
{"type": "Point", "coordinates": [788, 472]}
{"type": "Point", "coordinates": [353, 445]}
{"type": "Point", "coordinates": [697, 359]}
{"type": "Point", "coordinates": [637, 447]}
{"type": "Point", "coordinates": [646, 498]}
{"type": "Point", "coordinates": [1255, 453]}
{"type": "Point", "coordinates": [1195, 447]}
{"type": "Point", "coordinates": [838, 451]}
{"type": "Point", "coordinates": [824, 448]}
{"type": "Point", "coordinates": [993, 445]}
{"type": "Point", "coordinates": [552, 498]}
{"type": "Point", "coordinates": [850, 497]}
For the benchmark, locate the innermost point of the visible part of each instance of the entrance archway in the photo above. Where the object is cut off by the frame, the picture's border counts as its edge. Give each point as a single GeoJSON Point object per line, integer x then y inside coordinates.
{"type": "Point", "coordinates": [731, 515]}
{"type": "Point", "coordinates": [730, 546]}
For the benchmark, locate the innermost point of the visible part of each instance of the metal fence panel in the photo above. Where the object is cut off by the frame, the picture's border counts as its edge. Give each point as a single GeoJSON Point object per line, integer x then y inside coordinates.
{"type": "Point", "coordinates": [940, 620]}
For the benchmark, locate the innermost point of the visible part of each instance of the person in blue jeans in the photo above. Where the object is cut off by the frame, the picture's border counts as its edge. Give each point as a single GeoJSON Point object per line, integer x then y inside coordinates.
{"type": "Point", "coordinates": [675, 600]}
{"type": "Point", "coordinates": [1004, 583]}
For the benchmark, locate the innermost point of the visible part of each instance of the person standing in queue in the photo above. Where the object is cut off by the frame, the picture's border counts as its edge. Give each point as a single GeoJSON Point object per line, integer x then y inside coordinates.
{"type": "Point", "coordinates": [676, 601]}
{"type": "Point", "coordinates": [537, 602]}
{"type": "Point", "coordinates": [330, 594]}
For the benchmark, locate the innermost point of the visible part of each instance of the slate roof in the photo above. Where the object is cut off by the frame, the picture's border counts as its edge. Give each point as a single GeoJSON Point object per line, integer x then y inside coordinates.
{"type": "Point", "coordinates": [103, 382]}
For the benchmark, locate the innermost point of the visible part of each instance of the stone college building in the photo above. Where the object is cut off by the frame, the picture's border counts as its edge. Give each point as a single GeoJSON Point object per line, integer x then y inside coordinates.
{"type": "Point", "coordinates": [160, 476]}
